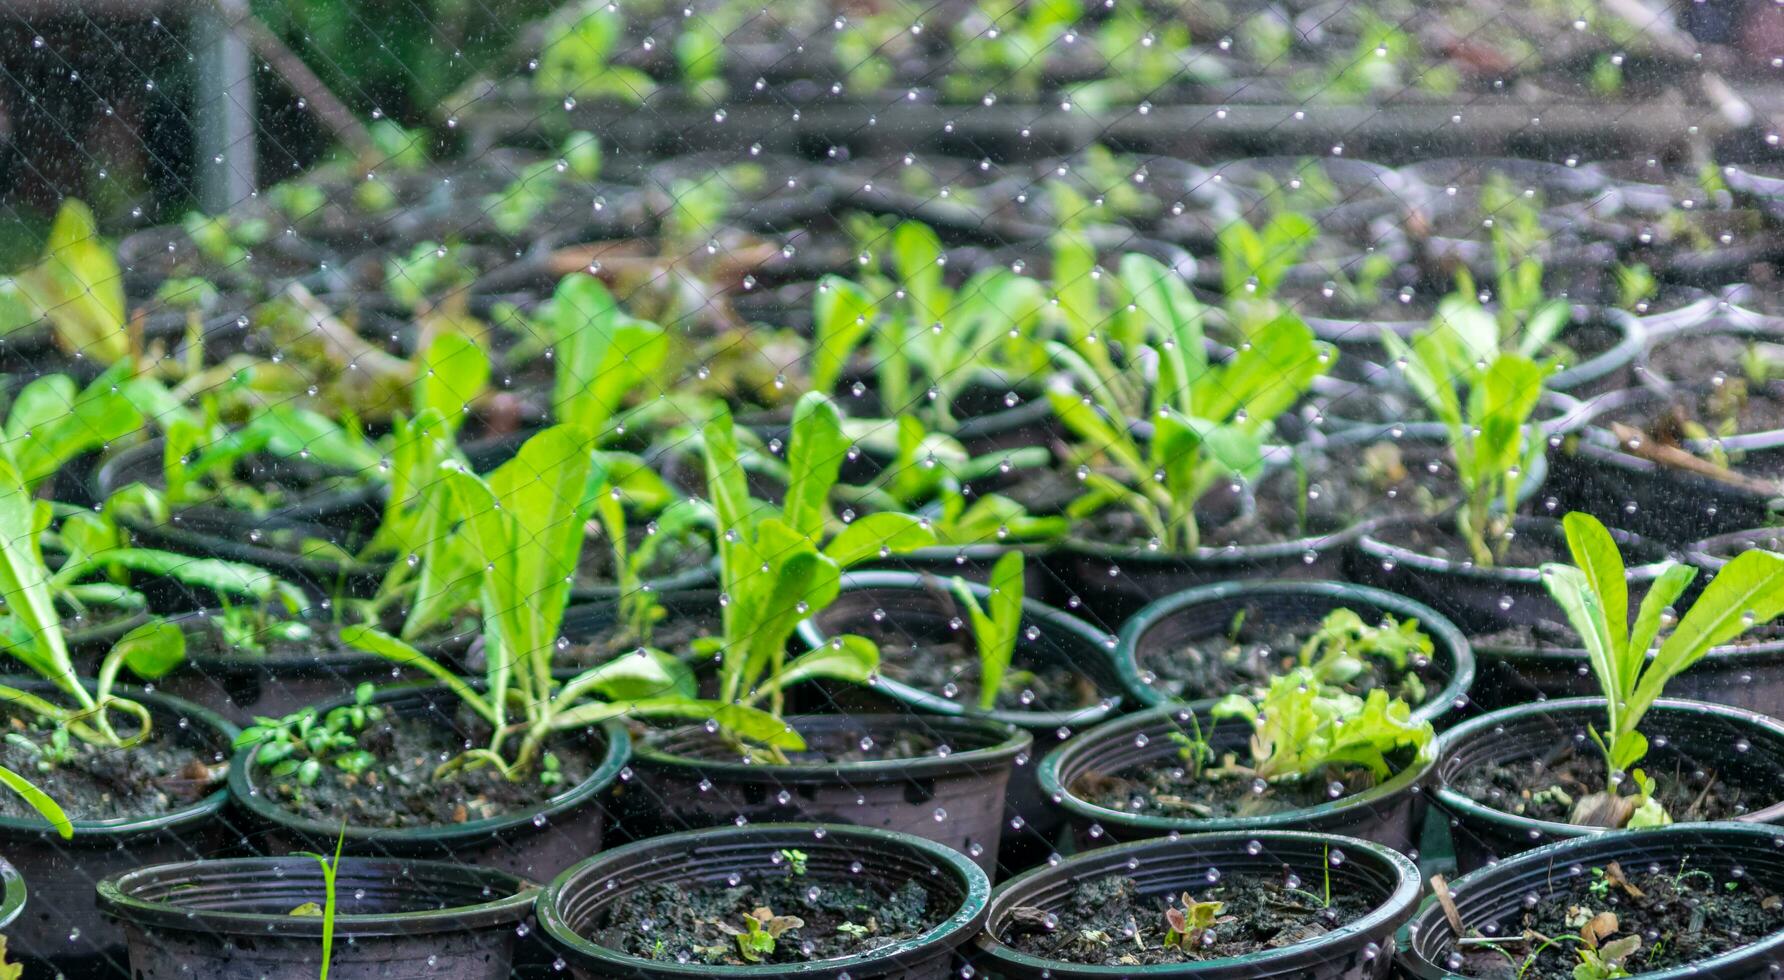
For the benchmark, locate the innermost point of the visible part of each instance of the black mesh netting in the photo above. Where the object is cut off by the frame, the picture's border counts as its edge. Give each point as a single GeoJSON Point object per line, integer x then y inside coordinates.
{"type": "Point", "coordinates": [891, 489]}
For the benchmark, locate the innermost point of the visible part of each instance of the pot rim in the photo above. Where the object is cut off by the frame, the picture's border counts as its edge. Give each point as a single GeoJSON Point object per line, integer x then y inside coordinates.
{"type": "Point", "coordinates": [1047, 617]}
{"type": "Point", "coordinates": [1127, 665]}
{"type": "Point", "coordinates": [1372, 545]}
{"type": "Point", "coordinates": [1565, 852]}
{"type": "Point", "coordinates": [1011, 742]}
{"type": "Point", "coordinates": [13, 893]}
{"type": "Point", "coordinates": [1393, 908]}
{"type": "Point", "coordinates": [118, 901]}
{"type": "Point", "coordinates": [245, 791]}
{"type": "Point", "coordinates": [1055, 789]}
{"type": "Point", "coordinates": [1448, 741]}
{"type": "Point", "coordinates": [951, 932]}
{"type": "Point", "coordinates": [109, 831]}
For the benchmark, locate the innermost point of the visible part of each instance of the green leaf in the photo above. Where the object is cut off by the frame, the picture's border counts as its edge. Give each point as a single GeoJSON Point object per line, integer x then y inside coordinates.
{"type": "Point", "coordinates": [24, 586]}
{"type": "Point", "coordinates": [848, 658]}
{"type": "Point", "coordinates": [1572, 591]}
{"type": "Point", "coordinates": [451, 375]}
{"type": "Point", "coordinates": [878, 535]}
{"type": "Point", "coordinates": [1747, 592]}
{"type": "Point", "coordinates": [602, 355]}
{"type": "Point", "coordinates": [996, 629]}
{"type": "Point", "coordinates": [41, 802]}
{"type": "Point", "coordinates": [151, 650]}
{"type": "Point", "coordinates": [380, 644]}
{"type": "Point", "coordinates": [1501, 407]}
{"type": "Point", "coordinates": [917, 258]}
{"type": "Point", "coordinates": [1094, 430]}
{"type": "Point", "coordinates": [80, 288]}
{"type": "Point", "coordinates": [815, 453]}
{"type": "Point", "coordinates": [632, 677]}
{"type": "Point", "coordinates": [1671, 583]}
{"type": "Point", "coordinates": [843, 312]}
{"type": "Point", "coordinates": [227, 577]}
{"type": "Point", "coordinates": [1595, 554]}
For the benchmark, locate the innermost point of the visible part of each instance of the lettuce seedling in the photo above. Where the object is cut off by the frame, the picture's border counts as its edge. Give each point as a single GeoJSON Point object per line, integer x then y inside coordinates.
{"type": "Point", "coordinates": [1189, 927]}
{"type": "Point", "coordinates": [1254, 261]}
{"type": "Point", "coordinates": [1594, 593]}
{"type": "Point", "coordinates": [79, 288]}
{"type": "Point", "coordinates": [926, 335]}
{"type": "Point", "coordinates": [1492, 440]}
{"type": "Point", "coordinates": [1302, 726]}
{"type": "Point", "coordinates": [602, 355]}
{"type": "Point", "coordinates": [1209, 421]}
{"type": "Point", "coordinates": [996, 625]}
{"type": "Point", "coordinates": [523, 527]}
{"type": "Point", "coordinates": [31, 633]}
{"type": "Point", "coordinates": [775, 565]}
{"type": "Point", "coordinates": [575, 62]}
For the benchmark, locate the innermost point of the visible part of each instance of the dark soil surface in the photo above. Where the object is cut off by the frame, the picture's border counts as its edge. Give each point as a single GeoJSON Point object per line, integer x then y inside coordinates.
{"type": "Point", "coordinates": [1526, 787]}
{"type": "Point", "coordinates": [596, 568]}
{"type": "Point", "coordinates": [1107, 922]}
{"type": "Point", "coordinates": [686, 923]}
{"type": "Point", "coordinates": [1220, 664]}
{"type": "Point", "coordinates": [400, 789]}
{"type": "Point", "coordinates": [675, 632]}
{"type": "Point", "coordinates": [1716, 393]}
{"type": "Point", "coordinates": [1683, 916]}
{"type": "Point", "coordinates": [1165, 788]}
{"type": "Point", "coordinates": [1441, 541]}
{"type": "Point", "coordinates": [950, 667]}
{"type": "Point", "coordinates": [162, 775]}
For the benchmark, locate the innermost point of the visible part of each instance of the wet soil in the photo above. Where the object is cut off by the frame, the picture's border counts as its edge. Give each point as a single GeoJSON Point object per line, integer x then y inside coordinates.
{"type": "Point", "coordinates": [1683, 916]}
{"type": "Point", "coordinates": [1107, 922]}
{"type": "Point", "coordinates": [400, 791]}
{"type": "Point", "coordinates": [1528, 787]}
{"type": "Point", "coordinates": [1169, 788]}
{"type": "Point", "coordinates": [169, 772]}
{"type": "Point", "coordinates": [950, 667]}
{"type": "Point", "coordinates": [1440, 540]}
{"type": "Point", "coordinates": [688, 923]}
{"type": "Point", "coordinates": [676, 631]}
{"type": "Point", "coordinates": [595, 567]}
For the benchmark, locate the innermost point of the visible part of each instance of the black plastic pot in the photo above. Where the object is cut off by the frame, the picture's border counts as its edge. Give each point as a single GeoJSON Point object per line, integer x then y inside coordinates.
{"type": "Point", "coordinates": [393, 918]}
{"type": "Point", "coordinates": [571, 908]}
{"type": "Point", "coordinates": [1483, 599]}
{"type": "Point", "coordinates": [1495, 896]}
{"type": "Point", "coordinates": [210, 533]}
{"type": "Point", "coordinates": [243, 686]}
{"type": "Point", "coordinates": [533, 843]}
{"type": "Point", "coordinates": [355, 508]}
{"type": "Point", "coordinates": [1389, 813]}
{"type": "Point", "coordinates": [972, 562]}
{"type": "Point", "coordinates": [62, 928]}
{"type": "Point", "coordinates": [1112, 582]}
{"type": "Point", "coordinates": [1359, 950]}
{"type": "Point", "coordinates": [12, 895]}
{"type": "Point", "coordinates": [1740, 675]}
{"type": "Point", "coordinates": [686, 777]}
{"type": "Point", "coordinates": [1737, 745]}
{"type": "Point", "coordinates": [922, 607]}
{"type": "Point", "coordinates": [1210, 610]}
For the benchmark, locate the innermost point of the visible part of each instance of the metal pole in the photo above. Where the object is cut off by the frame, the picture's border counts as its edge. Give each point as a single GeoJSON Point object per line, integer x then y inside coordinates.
{"type": "Point", "coordinates": [222, 112]}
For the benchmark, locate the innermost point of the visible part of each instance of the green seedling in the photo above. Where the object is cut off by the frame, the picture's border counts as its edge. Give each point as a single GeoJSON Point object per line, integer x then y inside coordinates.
{"type": "Point", "coordinates": [996, 624]}
{"type": "Point", "coordinates": [1192, 925]}
{"type": "Point", "coordinates": [1302, 727]}
{"type": "Point", "coordinates": [761, 928]}
{"type": "Point", "coordinates": [1593, 592]}
{"type": "Point", "coordinates": [1485, 399]}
